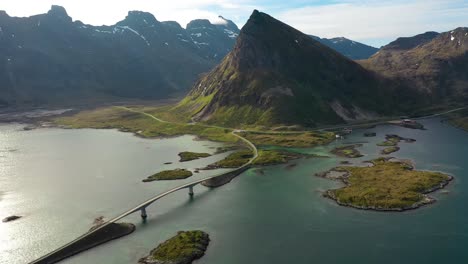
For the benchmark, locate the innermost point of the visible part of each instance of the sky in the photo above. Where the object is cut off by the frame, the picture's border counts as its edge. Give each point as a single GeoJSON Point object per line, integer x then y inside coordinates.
{"type": "Point", "coordinates": [373, 22]}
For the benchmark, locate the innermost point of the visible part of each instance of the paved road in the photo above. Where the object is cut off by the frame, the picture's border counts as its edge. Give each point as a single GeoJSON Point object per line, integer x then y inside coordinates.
{"type": "Point", "coordinates": [159, 196]}
{"type": "Point", "coordinates": [191, 184]}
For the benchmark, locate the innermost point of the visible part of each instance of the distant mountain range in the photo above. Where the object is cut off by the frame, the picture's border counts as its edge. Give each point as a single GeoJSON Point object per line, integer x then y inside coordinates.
{"type": "Point", "coordinates": [351, 49]}
{"type": "Point", "coordinates": [269, 73]}
{"type": "Point", "coordinates": [48, 58]}
{"type": "Point", "coordinates": [432, 63]}
{"type": "Point", "coordinates": [277, 75]}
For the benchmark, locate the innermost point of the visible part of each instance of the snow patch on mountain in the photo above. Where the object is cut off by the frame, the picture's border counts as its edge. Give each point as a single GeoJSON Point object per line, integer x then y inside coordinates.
{"type": "Point", "coordinates": [133, 31]}
{"type": "Point", "coordinates": [230, 33]}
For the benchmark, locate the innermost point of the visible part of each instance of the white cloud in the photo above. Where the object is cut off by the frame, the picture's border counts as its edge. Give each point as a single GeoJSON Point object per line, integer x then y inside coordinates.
{"type": "Point", "coordinates": [370, 21]}
{"type": "Point", "coordinates": [99, 12]}
{"type": "Point", "coordinates": [378, 20]}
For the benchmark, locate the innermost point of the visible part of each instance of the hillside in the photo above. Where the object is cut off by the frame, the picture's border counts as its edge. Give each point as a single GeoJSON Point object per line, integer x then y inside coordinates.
{"type": "Point", "coordinates": [349, 48]}
{"type": "Point", "coordinates": [51, 59]}
{"type": "Point", "coordinates": [436, 64]}
{"type": "Point", "coordinates": [277, 75]}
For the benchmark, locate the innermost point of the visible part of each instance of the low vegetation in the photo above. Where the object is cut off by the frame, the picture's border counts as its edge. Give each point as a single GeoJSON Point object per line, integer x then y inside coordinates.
{"type": "Point", "coordinates": [390, 150]}
{"type": "Point", "coordinates": [459, 120]}
{"type": "Point", "coordinates": [348, 151]}
{"type": "Point", "coordinates": [233, 160]}
{"type": "Point", "coordinates": [389, 142]}
{"type": "Point", "coordinates": [272, 157]}
{"type": "Point", "coordinates": [306, 139]}
{"type": "Point", "coordinates": [188, 156]}
{"type": "Point", "coordinates": [176, 174]}
{"type": "Point", "coordinates": [183, 248]}
{"type": "Point", "coordinates": [393, 140]}
{"type": "Point", "coordinates": [387, 185]}
{"type": "Point", "coordinates": [142, 125]}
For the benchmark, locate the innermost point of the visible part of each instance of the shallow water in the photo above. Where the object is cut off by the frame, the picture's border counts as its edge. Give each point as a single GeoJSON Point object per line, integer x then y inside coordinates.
{"type": "Point", "coordinates": [62, 179]}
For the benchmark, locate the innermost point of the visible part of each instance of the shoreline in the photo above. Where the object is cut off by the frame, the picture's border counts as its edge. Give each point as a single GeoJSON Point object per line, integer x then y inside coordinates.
{"type": "Point", "coordinates": [343, 178]}
{"type": "Point", "coordinates": [110, 232]}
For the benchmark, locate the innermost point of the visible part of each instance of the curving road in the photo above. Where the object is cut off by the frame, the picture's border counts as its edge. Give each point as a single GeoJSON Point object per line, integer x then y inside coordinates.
{"type": "Point", "coordinates": [159, 196]}
{"type": "Point", "coordinates": [191, 184]}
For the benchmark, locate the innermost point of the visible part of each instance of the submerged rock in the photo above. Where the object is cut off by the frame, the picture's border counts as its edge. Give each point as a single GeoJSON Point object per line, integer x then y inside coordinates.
{"type": "Point", "coordinates": [11, 218]}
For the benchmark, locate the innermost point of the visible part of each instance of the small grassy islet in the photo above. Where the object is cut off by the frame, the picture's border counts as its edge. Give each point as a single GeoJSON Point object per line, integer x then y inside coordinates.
{"type": "Point", "coordinates": [390, 150]}
{"type": "Point", "coordinates": [188, 156]}
{"type": "Point", "coordinates": [183, 248]}
{"type": "Point", "coordinates": [348, 151]}
{"type": "Point", "coordinates": [387, 185]}
{"type": "Point", "coordinates": [176, 174]}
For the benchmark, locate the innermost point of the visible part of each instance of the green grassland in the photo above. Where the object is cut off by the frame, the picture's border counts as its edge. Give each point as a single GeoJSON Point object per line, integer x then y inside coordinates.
{"type": "Point", "coordinates": [142, 125]}
{"type": "Point", "coordinates": [349, 151]}
{"type": "Point", "coordinates": [188, 156]}
{"type": "Point", "coordinates": [233, 160]}
{"type": "Point", "coordinates": [276, 156]}
{"type": "Point", "coordinates": [183, 248]}
{"type": "Point", "coordinates": [387, 186]}
{"type": "Point", "coordinates": [145, 126]}
{"type": "Point", "coordinates": [390, 142]}
{"type": "Point", "coordinates": [176, 174]}
{"type": "Point", "coordinates": [390, 150]}
{"type": "Point", "coordinates": [305, 140]}
{"type": "Point", "coordinates": [459, 119]}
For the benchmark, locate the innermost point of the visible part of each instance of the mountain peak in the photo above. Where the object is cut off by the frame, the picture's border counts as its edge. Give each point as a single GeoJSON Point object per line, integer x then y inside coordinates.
{"type": "Point", "coordinates": [198, 24]}
{"type": "Point", "coordinates": [259, 17]}
{"type": "Point", "coordinates": [59, 12]}
{"type": "Point", "coordinates": [278, 75]}
{"type": "Point", "coordinates": [138, 18]}
{"type": "Point", "coordinates": [406, 43]}
{"type": "Point", "coordinates": [226, 23]}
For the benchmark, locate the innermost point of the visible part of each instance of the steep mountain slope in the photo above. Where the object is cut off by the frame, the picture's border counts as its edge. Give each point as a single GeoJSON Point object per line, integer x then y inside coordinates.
{"type": "Point", "coordinates": [49, 58]}
{"type": "Point", "coordinates": [277, 75]}
{"type": "Point", "coordinates": [211, 38]}
{"type": "Point", "coordinates": [436, 64]}
{"type": "Point", "coordinates": [349, 48]}
{"type": "Point", "coordinates": [406, 43]}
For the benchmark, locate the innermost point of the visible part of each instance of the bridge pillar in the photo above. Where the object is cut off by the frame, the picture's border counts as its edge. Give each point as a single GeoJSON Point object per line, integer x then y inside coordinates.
{"type": "Point", "coordinates": [190, 191]}
{"type": "Point", "coordinates": [143, 213]}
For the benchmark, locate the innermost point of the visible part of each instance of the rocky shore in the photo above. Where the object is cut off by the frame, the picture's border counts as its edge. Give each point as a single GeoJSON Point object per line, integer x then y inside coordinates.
{"type": "Point", "coordinates": [348, 151]}
{"type": "Point", "coordinates": [11, 218]}
{"type": "Point", "coordinates": [183, 248]}
{"type": "Point", "coordinates": [351, 194]}
{"type": "Point", "coordinates": [109, 232]}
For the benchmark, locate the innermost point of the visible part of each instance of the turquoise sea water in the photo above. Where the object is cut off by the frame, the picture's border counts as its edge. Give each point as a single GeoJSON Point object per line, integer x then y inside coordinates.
{"type": "Point", "coordinates": [60, 180]}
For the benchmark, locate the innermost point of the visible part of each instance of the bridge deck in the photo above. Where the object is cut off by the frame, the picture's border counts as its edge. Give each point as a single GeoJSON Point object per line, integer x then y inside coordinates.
{"type": "Point", "coordinates": [45, 259]}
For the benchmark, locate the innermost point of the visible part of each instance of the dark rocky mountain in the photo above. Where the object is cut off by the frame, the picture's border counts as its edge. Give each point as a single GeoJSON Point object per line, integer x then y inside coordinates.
{"type": "Point", "coordinates": [436, 64]}
{"type": "Point", "coordinates": [211, 38]}
{"type": "Point", "coordinates": [406, 43]}
{"type": "Point", "coordinates": [351, 49]}
{"type": "Point", "coordinates": [49, 58]}
{"type": "Point", "coordinates": [275, 74]}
